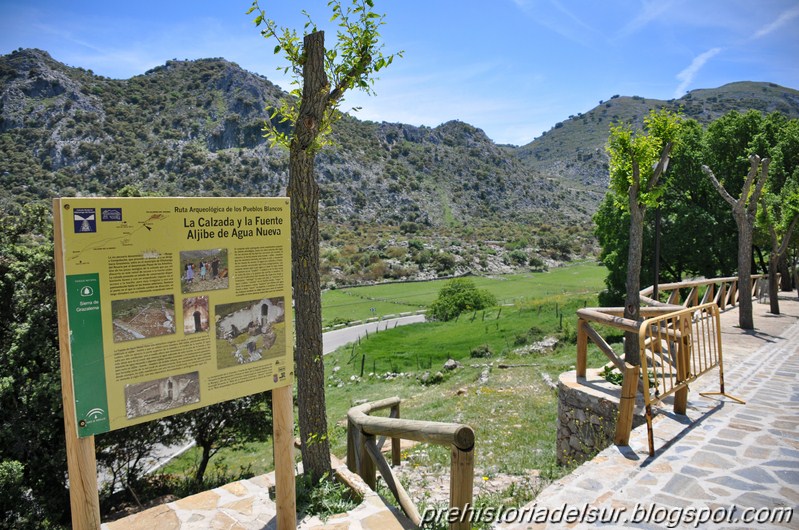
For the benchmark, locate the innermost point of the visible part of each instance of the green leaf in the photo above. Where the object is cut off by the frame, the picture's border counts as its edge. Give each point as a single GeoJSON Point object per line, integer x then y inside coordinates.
{"type": "Point", "coordinates": [277, 48]}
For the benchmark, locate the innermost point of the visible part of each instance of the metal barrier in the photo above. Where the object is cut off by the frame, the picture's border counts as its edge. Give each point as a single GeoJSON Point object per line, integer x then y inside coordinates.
{"type": "Point", "coordinates": [677, 348]}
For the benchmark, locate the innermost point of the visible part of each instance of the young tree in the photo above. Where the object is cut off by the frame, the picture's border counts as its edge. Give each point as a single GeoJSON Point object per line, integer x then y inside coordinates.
{"type": "Point", "coordinates": [320, 79]}
{"type": "Point", "coordinates": [779, 211]}
{"type": "Point", "coordinates": [637, 162]}
{"type": "Point", "coordinates": [227, 424]}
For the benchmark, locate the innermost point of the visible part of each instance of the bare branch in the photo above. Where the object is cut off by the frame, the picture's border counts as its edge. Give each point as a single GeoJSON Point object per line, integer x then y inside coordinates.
{"type": "Point", "coordinates": [787, 237]}
{"type": "Point", "coordinates": [663, 163]}
{"type": "Point", "coordinates": [760, 183]}
{"type": "Point", "coordinates": [754, 162]}
{"type": "Point", "coordinates": [724, 194]}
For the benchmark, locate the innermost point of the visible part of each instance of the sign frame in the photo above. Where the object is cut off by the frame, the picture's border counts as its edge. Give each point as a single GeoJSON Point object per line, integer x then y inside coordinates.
{"type": "Point", "coordinates": [83, 301]}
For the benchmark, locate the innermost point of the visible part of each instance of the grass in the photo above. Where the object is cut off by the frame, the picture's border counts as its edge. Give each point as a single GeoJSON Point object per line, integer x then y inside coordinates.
{"type": "Point", "coordinates": [514, 413]}
{"type": "Point", "coordinates": [356, 303]}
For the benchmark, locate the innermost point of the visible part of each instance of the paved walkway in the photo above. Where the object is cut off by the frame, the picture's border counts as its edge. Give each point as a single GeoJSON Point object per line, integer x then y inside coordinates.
{"type": "Point", "coordinates": [724, 466]}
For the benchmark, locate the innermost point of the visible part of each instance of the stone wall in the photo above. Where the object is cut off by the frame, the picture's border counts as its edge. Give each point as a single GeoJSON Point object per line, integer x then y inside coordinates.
{"type": "Point", "coordinates": [587, 411]}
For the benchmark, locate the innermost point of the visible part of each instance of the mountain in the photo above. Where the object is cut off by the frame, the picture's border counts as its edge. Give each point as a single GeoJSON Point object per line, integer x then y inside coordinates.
{"type": "Point", "coordinates": [396, 200]}
{"type": "Point", "coordinates": [194, 128]}
{"type": "Point", "coordinates": [574, 149]}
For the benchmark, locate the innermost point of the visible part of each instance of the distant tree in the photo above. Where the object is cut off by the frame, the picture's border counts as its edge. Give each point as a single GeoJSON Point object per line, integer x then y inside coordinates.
{"type": "Point", "coordinates": [744, 209]}
{"type": "Point", "coordinates": [457, 296]}
{"type": "Point", "coordinates": [229, 424]}
{"type": "Point", "coordinates": [779, 211]}
{"type": "Point", "coordinates": [637, 162]}
{"type": "Point", "coordinates": [320, 78]}
{"type": "Point", "coordinates": [33, 489]}
{"type": "Point", "coordinates": [729, 143]}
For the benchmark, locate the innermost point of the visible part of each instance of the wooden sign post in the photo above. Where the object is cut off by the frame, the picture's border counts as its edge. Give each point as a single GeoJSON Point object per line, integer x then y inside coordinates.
{"type": "Point", "coordinates": [167, 305]}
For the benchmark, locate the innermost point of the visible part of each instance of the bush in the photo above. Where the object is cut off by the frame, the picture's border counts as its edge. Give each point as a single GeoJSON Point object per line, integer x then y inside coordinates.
{"type": "Point", "coordinates": [481, 352]}
{"type": "Point", "coordinates": [457, 296]}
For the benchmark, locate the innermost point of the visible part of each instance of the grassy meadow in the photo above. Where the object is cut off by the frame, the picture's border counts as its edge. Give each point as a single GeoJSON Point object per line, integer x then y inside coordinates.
{"type": "Point", "coordinates": [513, 411]}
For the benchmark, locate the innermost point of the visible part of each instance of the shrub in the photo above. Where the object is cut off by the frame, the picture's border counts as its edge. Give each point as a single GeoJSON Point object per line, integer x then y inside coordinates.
{"type": "Point", "coordinates": [457, 296]}
{"type": "Point", "coordinates": [481, 352]}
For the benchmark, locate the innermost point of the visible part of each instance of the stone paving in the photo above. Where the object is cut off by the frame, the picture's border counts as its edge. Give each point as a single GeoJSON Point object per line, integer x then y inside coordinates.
{"type": "Point", "coordinates": [725, 465]}
{"type": "Point", "coordinates": [717, 462]}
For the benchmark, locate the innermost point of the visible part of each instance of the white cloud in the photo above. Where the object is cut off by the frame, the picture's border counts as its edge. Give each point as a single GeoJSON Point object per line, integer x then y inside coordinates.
{"type": "Point", "coordinates": [651, 11]}
{"type": "Point", "coordinates": [781, 20]}
{"type": "Point", "coordinates": [687, 76]}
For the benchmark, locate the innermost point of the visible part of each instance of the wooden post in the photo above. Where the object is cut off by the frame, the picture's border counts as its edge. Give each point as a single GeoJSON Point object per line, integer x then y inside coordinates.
{"type": "Point", "coordinates": [733, 294]}
{"type": "Point", "coordinates": [405, 501]}
{"type": "Point", "coordinates": [368, 469]}
{"type": "Point", "coordinates": [722, 296]}
{"type": "Point", "coordinates": [624, 423]}
{"type": "Point", "coordinates": [396, 453]}
{"type": "Point", "coordinates": [461, 484]}
{"type": "Point", "coordinates": [674, 297]}
{"type": "Point", "coordinates": [582, 348]}
{"type": "Point", "coordinates": [283, 425]}
{"type": "Point", "coordinates": [84, 499]}
{"type": "Point", "coordinates": [352, 447]}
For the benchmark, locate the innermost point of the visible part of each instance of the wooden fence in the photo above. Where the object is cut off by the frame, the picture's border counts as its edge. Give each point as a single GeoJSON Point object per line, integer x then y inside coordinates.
{"type": "Point", "coordinates": [365, 458]}
{"type": "Point", "coordinates": [679, 341]}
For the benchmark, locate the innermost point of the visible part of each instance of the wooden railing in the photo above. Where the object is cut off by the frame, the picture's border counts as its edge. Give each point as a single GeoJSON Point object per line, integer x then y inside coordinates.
{"type": "Point", "coordinates": [365, 458]}
{"type": "Point", "coordinates": [671, 319]}
{"type": "Point", "coordinates": [722, 291]}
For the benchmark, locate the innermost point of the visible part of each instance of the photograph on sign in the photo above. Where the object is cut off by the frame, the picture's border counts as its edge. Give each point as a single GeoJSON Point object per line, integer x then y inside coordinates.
{"type": "Point", "coordinates": [173, 303]}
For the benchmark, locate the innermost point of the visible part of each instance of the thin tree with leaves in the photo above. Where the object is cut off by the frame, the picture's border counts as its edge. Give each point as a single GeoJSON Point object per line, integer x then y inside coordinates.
{"type": "Point", "coordinates": [637, 161]}
{"type": "Point", "coordinates": [321, 77]}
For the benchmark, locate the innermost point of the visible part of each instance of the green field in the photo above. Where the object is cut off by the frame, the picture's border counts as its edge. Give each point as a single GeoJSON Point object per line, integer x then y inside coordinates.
{"type": "Point", "coordinates": [513, 412]}
{"type": "Point", "coordinates": [356, 303]}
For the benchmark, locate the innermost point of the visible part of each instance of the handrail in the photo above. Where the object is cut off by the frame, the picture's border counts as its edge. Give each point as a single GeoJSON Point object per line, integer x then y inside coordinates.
{"type": "Point", "coordinates": [673, 329]}
{"type": "Point", "coordinates": [722, 291]}
{"type": "Point", "coordinates": [364, 456]}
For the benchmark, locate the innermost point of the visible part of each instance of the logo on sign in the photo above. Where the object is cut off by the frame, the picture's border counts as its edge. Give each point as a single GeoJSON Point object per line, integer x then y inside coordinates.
{"type": "Point", "coordinates": [85, 220]}
{"type": "Point", "coordinates": [111, 214]}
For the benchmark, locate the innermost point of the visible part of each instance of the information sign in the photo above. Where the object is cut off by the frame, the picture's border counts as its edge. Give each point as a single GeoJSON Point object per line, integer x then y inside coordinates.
{"type": "Point", "coordinates": [173, 303]}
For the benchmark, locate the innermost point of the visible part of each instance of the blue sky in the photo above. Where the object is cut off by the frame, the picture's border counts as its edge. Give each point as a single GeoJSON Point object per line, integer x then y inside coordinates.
{"type": "Point", "coordinates": [514, 68]}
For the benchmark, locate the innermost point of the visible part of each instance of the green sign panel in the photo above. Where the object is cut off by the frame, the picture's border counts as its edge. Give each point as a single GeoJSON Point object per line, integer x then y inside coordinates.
{"type": "Point", "coordinates": [88, 365]}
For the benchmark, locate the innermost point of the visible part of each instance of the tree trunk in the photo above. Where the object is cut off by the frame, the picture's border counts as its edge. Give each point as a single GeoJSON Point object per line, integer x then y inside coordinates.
{"type": "Point", "coordinates": [304, 192]}
{"type": "Point", "coordinates": [773, 284]}
{"type": "Point", "coordinates": [763, 266]}
{"type": "Point", "coordinates": [745, 316]}
{"type": "Point", "coordinates": [203, 466]}
{"type": "Point", "coordinates": [786, 278]}
{"type": "Point", "coordinates": [632, 301]}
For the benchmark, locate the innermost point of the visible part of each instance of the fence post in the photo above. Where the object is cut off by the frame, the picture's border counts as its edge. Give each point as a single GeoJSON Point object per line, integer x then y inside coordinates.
{"type": "Point", "coordinates": [368, 470]}
{"type": "Point", "coordinates": [461, 484]}
{"type": "Point", "coordinates": [582, 347]}
{"type": "Point", "coordinates": [395, 442]}
{"type": "Point", "coordinates": [624, 423]}
{"type": "Point", "coordinates": [352, 447]}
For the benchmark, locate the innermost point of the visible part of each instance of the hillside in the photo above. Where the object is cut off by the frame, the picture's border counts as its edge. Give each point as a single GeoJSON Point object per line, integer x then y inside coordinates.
{"type": "Point", "coordinates": [194, 128]}
{"type": "Point", "coordinates": [574, 149]}
{"type": "Point", "coordinates": [397, 200]}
